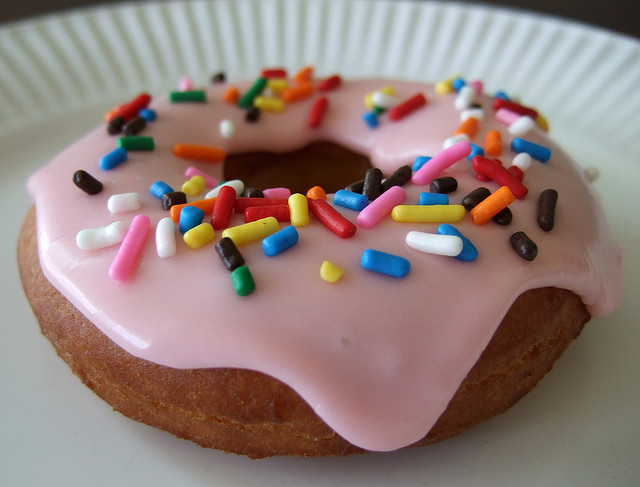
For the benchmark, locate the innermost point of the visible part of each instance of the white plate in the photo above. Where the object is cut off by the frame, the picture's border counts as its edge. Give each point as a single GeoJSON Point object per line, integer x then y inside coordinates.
{"type": "Point", "coordinates": [58, 74]}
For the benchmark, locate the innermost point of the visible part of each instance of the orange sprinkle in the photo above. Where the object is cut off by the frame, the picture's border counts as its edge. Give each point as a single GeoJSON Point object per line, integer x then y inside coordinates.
{"type": "Point", "coordinates": [298, 92]}
{"type": "Point", "coordinates": [468, 127]}
{"type": "Point", "coordinates": [492, 205]}
{"type": "Point", "coordinates": [317, 193]}
{"type": "Point", "coordinates": [493, 144]}
{"type": "Point", "coordinates": [111, 113]}
{"type": "Point", "coordinates": [199, 152]}
{"type": "Point", "coordinates": [305, 75]}
{"type": "Point", "coordinates": [205, 205]}
{"type": "Point", "coordinates": [232, 95]}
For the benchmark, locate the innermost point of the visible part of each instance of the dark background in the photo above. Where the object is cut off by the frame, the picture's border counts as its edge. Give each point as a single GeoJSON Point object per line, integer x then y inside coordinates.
{"type": "Point", "coordinates": [622, 16]}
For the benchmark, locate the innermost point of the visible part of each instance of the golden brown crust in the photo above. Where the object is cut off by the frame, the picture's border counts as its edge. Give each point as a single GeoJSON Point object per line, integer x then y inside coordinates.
{"type": "Point", "coordinates": [250, 413]}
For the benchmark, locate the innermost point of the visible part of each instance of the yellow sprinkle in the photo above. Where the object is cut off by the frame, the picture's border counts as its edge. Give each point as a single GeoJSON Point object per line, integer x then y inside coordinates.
{"type": "Point", "coordinates": [269, 104]}
{"type": "Point", "coordinates": [443, 87]}
{"type": "Point", "coordinates": [277, 85]}
{"type": "Point", "coordinates": [428, 213]}
{"type": "Point", "coordinates": [542, 122]}
{"type": "Point", "coordinates": [199, 235]}
{"type": "Point", "coordinates": [330, 272]}
{"type": "Point", "coordinates": [298, 210]}
{"type": "Point", "coordinates": [194, 186]}
{"type": "Point", "coordinates": [252, 231]}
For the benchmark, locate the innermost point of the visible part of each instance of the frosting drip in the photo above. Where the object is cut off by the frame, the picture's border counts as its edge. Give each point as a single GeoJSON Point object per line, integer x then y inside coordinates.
{"type": "Point", "coordinates": [377, 358]}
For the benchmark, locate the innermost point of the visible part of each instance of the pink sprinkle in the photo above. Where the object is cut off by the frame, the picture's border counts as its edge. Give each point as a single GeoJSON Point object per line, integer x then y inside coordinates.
{"type": "Point", "coordinates": [441, 161]}
{"type": "Point", "coordinates": [194, 171]}
{"type": "Point", "coordinates": [276, 192]}
{"type": "Point", "coordinates": [130, 249]}
{"type": "Point", "coordinates": [381, 207]}
{"type": "Point", "coordinates": [506, 116]}
{"type": "Point", "coordinates": [477, 86]}
{"type": "Point", "coordinates": [185, 84]}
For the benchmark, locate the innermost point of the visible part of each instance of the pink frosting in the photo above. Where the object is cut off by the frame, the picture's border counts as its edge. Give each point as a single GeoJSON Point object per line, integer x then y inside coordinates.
{"type": "Point", "coordinates": [377, 358]}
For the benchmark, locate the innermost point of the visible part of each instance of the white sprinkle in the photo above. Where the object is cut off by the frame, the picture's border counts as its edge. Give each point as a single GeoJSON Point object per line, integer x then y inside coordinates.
{"type": "Point", "coordinates": [522, 126]}
{"type": "Point", "coordinates": [99, 238]}
{"type": "Point", "coordinates": [476, 113]}
{"type": "Point", "coordinates": [522, 161]}
{"type": "Point", "coordinates": [464, 98]}
{"type": "Point", "coordinates": [119, 203]}
{"type": "Point", "coordinates": [434, 243]}
{"type": "Point", "coordinates": [166, 238]}
{"type": "Point", "coordinates": [227, 129]}
{"type": "Point", "coordinates": [234, 183]}
{"type": "Point", "coordinates": [454, 140]}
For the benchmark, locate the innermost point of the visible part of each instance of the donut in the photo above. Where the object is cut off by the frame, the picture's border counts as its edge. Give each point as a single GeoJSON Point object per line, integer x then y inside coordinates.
{"type": "Point", "coordinates": [327, 288]}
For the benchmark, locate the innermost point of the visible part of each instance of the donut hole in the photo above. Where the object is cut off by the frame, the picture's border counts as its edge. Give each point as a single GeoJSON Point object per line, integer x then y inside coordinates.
{"type": "Point", "coordinates": [326, 164]}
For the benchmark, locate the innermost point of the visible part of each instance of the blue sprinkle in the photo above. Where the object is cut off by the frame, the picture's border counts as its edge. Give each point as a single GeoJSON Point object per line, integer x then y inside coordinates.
{"type": "Point", "coordinates": [476, 150]}
{"type": "Point", "coordinates": [351, 200]}
{"type": "Point", "coordinates": [539, 152]}
{"type": "Point", "coordinates": [419, 162]}
{"type": "Point", "coordinates": [371, 119]}
{"type": "Point", "coordinates": [383, 263]}
{"type": "Point", "coordinates": [190, 217]}
{"type": "Point", "coordinates": [502, 95]}
{"type": "Point", "coordinates": [469, 251]}
{"type": "Point", "coordinates": [458, 83]}
{"type": "Point", "coordinates": [160, 188]}
{"type": "Point", "coordinates": [433, 199]}
{"type": "Point", "coordinates": [113, 159]}
{"type": "Point", "coordinates": [148, 114]}
{"type": "Point", "coordinates": [280, 241]}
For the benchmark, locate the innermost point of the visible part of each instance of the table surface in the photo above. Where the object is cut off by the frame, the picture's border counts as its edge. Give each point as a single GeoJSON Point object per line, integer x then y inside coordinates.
{"type": "Point", "coordinates": [620, 16]}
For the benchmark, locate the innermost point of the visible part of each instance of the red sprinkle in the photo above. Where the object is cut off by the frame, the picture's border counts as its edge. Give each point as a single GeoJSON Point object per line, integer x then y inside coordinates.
{"type": "Point", "coordinates": [499, 103]}
{"type": "Point", "coordinates": [331, 218]}
{"type": "Point", "coordinates": [274, 73]}
{"type": "Point", "coordinates": [279, 212]}
{"type": "Point", "coordinates": [131, 109]}
{"type": "Point", "coordinates": [499, 174]}
{"type": "Point", "coordinates": [318, 109]}
{"type": "Point", "coordinates": [330, 83]}
{"type": "Point", "coordinates": [516, 172]}
{"type": "Point", "coordinates": [406, 107]}
{"type": "Point", "coordinates": [244, 203]}
{"type": "Point", "coordinates": [223, 208]}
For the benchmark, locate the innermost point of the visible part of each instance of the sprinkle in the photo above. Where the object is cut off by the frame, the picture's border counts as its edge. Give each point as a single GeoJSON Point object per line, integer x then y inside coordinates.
{"type": "Point", "coordinates": [231, 95]}
{"type": "Point", "coordinates": [385, 90]}
{"type": "Point", "coordinates": [113, 159]}
{"type": "Point", "coordinates": [317, 112]}
{"type": "Point", "coordinates": [499, 103]}
{"type": "Point", "coordinates": [440, 162]}
{"type": "Point", "coordinates": [524, 246]}
{"type": "Point", "coordinates": [86, 182]}
{"type": "Point", "coordinates": [428, 214]}
{"type": "Point", "coordinates": [206, 205]}
{"type": "Point", "coordinates": [199, 152]}
{"type": "Point", "coordinates": [503, 217]}
{"type": "Point", "coordinates": [444, 185]}
{"type": "Point", "coordinates": [475, 197]}
{"type": "Point", "coordinates": [269, 104]}
{"type": "Point", "coordinates": [592, 173]}
{"type": "Point", "coordinates": [298, 92]}
{"type": "Point", "coordinates": [399, 177]}
{"type": "Point", "coordinates": [407, 107]}
{"type": "Point", "coordinates": [136, 143]}
{"type": "Point", "coordinates": [493, 143]}
{"type": "Point", "coordinates": [173, 198]}
{"type": "Point", "coordinates": [194, 186]}
{"type": "Point", "coordinates": [299, 210]}
{"type": "Point", "coordinates": [252, 231]}
{"type": "Point", "coordinates": [451, 141]}
{"type": "Point", "coordinates": [381, 207]}
{"type": "Point", "coordinates": [476, 150]}
{"type": "Point", "coordinates": [468, 127]}
{"type": "Point", "coordinates": [120, 203]}
{"type": "Point", "coordinates": [199, 236]}
{"type": "Point", "coordinates": [130, 249]}
{"type": "Point", "coordinates": [243, 203]}
{"type": "Point", "coordinates": [253, 115]}
{"type": "Point", "coordinates": [538, 152]}
{"type": "Point", "coordinates": [227, 129]}
{"type": "Point", "coordinates": [115, 125]}
{"type": "Point", "coordinates": [280, 241]}
{"type": "Point", "coordinates": [236, 184]}
{"type": "Point", "coordinates": [522, 161]}
{"type": "Point", "coordinates": [274, 73]}
{"type": "Point", "coordinates": [185, 83]}
{"type": "Point", "coordinates": [382, 99]}
{"type": "Point", "coordinates": [159, 189]}
{"type": "Point", "coordinates": [190, 217]}
{"type": "Point", "coordinates": [330, 272]}
{"type": "Point", "coordinates": [246, 101]}
{"type": "Point", "coordinates": [330, 83]}
{"type": "Point", "coordinates": [384, 263]}
{"type": "Point", "coordinates": [547, 209]}
{"type": "Point", "coordinates": [469, 251]}
{"type": "Point", "coordinates": [371, 119]}
{"type": "Point", "coordinates": [472, 112]}
{"type": "Point", "coordinates": [372, 187]}
{"type": "Point", "coordinates": [433, 243]}
{"type": "Point", "coordinates": [419, 162]}
{"type": "Point", "coordinates": [464, 98]}
{"type": "Point", "coordinates": [506, 116]}
{"type": "Point", "coordinates": [148, 114]}
{"type": "Point", "coordinates": [222, 210]}
{"type": "Point", "coordinates": [279, 212]}
{"type": "Point", "coordinates": [242, 281]}
{"type": "Point", "coordinates": [492, 205]}
{"type": "Point", "coordinates": [331, 218]}
{"type": "Point", "coordinates": [348, 199]}
{"type": "Point", "coordinates": [317, 193]}
{"type": "Point", "coordinates": [277, 85]}
{"type": "Point", "coordinates": [229, 254]}
{"type": "Point", "coordinates": [305, 75]}
{"type": "Point", "coordinates": [166, 238]}
{"type": "Point", "coordinates": [132, 108]}
{"type": "Point", "coordinates": [523, 125]}
{"type": "Point", "coordinates": [433, 199]}
{"type": "Point", "coordinates": [219, 77]}
{"type": "Point", "coordinates": [458, 83]}
{"type": "Point", "coordinates": [135, 126]}
{"type": "Point", "coordinates": [194, 171]}
{"type": "Point", "coordinates": [102, 237]}
{"type": "Point", "coordinates": [276, 193]}
{"type": "Point", "coordinates": [189, 96]}
{"type": "Point", "coordinates": [499, 174]}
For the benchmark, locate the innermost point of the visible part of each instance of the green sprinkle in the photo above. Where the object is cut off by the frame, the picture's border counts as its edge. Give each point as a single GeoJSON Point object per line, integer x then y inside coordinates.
{"type": "Point", "coordinates": [243, 281]}
{"type": "Point", "coordinates": [192, 96]}
{"type": "Point", "coordinates": [136, 142]}
{"type": "Point", "coordinates": [258, 87]}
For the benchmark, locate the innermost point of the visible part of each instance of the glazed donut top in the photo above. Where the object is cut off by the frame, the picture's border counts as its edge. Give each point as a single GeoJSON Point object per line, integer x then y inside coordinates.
{"type": "Point", "coordinates": [377, 357]}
